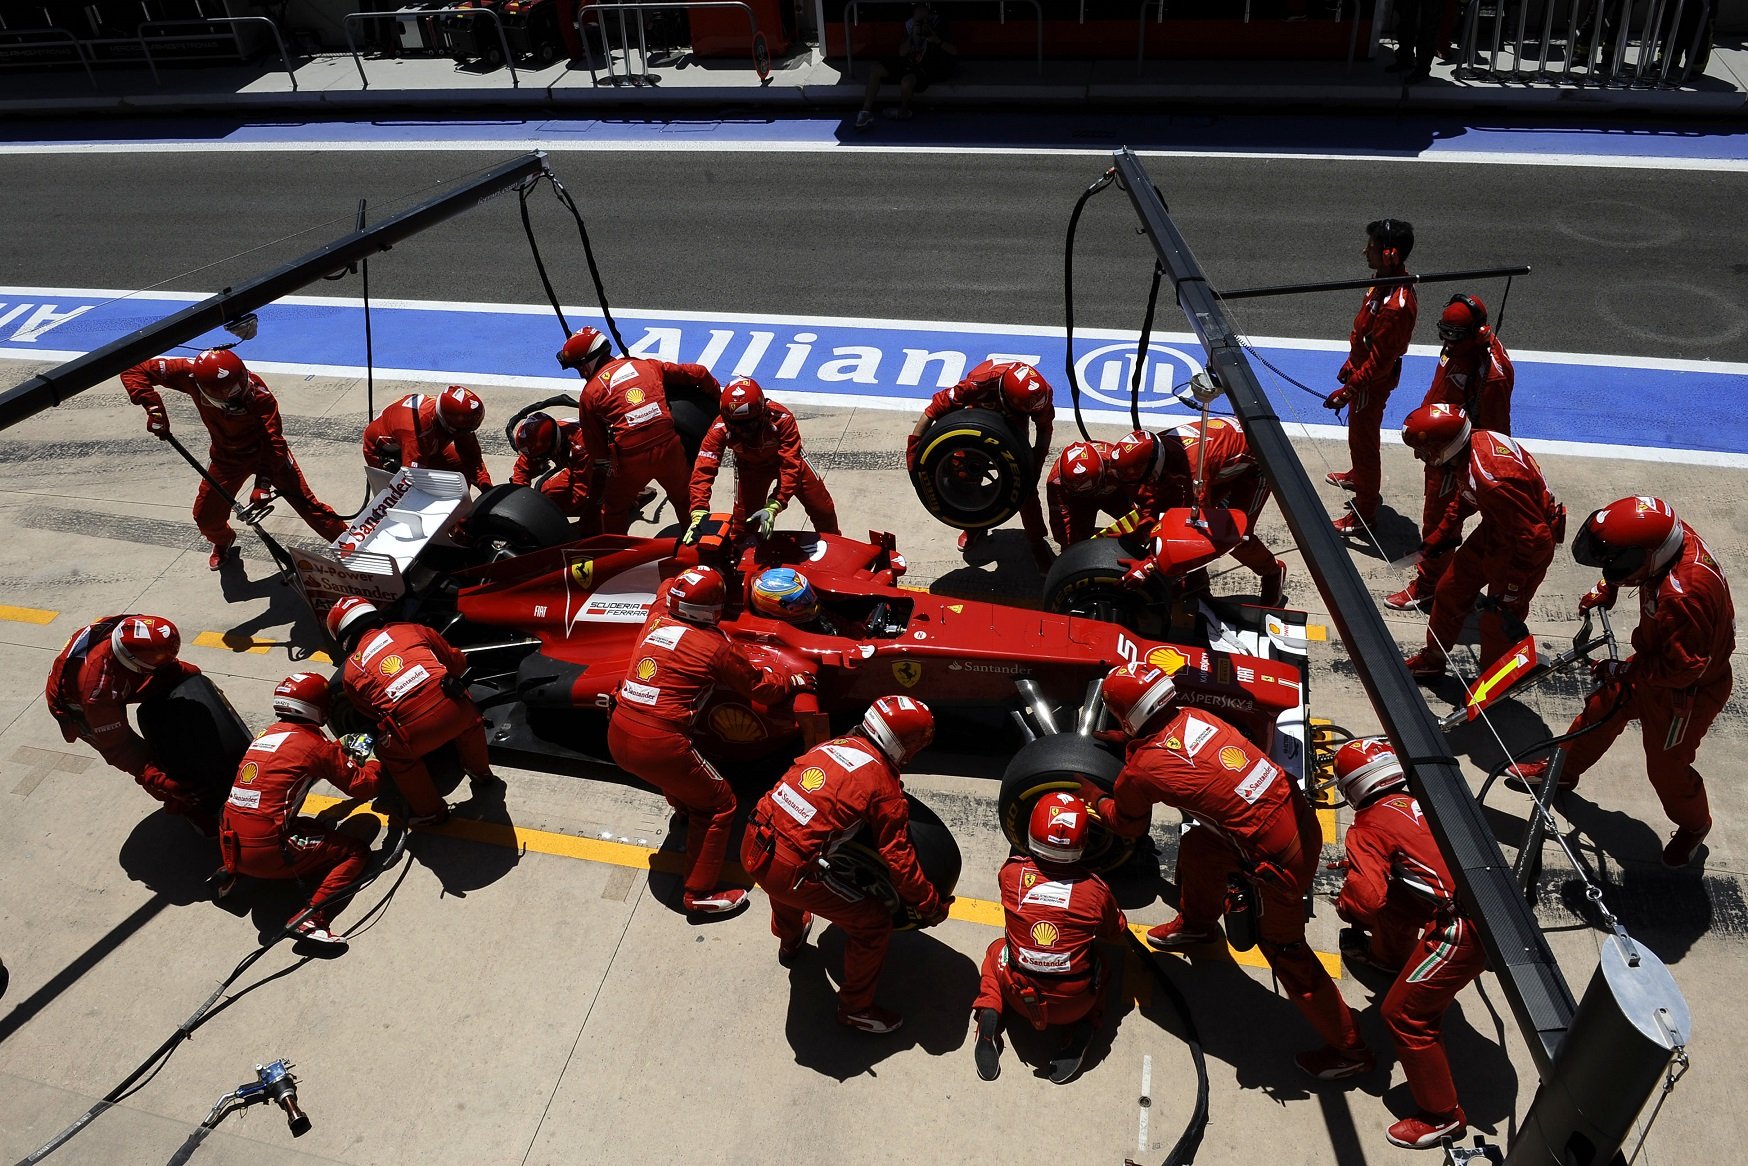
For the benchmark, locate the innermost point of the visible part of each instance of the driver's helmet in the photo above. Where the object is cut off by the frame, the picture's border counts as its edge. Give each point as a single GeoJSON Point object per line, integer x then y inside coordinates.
{"type": "Point", "coordinates": [784, 593]}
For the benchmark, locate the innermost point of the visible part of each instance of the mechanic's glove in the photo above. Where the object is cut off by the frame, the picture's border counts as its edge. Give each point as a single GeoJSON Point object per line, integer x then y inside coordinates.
{"type": "Point", "coordinates": [157, 420]}
{"type": "Point", "coordinates": [1338, 399]}
{"type": "Point", "coordinates": [1616, 672]}
{"type": "Point", "coordinates": [1432, 548]}
{"type": "Point", "coordinates": [160, 785]}
{"type": "Point", "coordinates": [697, 520]}
{"type": "Point", "coordinates": [913, 448]}
{"type": "Point", "coordinates": [1602, 595]}
{"type": "Point", "coordinates": [260, 494]}
{"type": "Point", "coordinates": [1509, 596]}
{"type": "Point", "coordinates": [1136, 572]}
{"type": "Point", "coordinates": [1103, 808]}
{"type": "Point", "coordinates": [1270, 872]}
{"type": "Point", "coordinates": [766, 519]}
{"type": "Point", "coordinates": [1345, 372]}
{"type": "Point", "coordinates": [244, 326]}
{"type": "Point", "coordinates": [939, 914]}
{"type": "Point", "coordinates": [804, 682]}
{"type": "Point", "coordinates": [454, 686]}
{"type": "Point", "coordinates": [358, 746]}
{"type": "Point", "coordinates": [1339, 864]}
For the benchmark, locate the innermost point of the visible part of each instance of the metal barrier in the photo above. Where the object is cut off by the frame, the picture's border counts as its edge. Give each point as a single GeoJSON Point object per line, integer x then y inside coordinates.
{"type": "Point", "coordinates": [352, 45]}
{"type": "Point", "coordinates": [1002, 6]}
{"type": "Point", "coordinates": [145, 49]}
{"type": "Point", "coordinates": [640, 7]}
{"type": "Point", "coordinates": [1159, 18]}
{"type": "Point", "coordinates": [1598, 36]}
{"type": "Point", "coordinates": [52, 34]}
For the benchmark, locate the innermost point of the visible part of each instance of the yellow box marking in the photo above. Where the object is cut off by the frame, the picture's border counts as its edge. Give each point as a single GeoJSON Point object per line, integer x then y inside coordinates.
{"type": "Point", "coordinates": [232, 642]}
{"type": "Point", "coordinates": [1326, 819]}
{"type": "Point", "coordinates": [1316, 631]}
{"type": "Point", "coordinates": [27, 614]}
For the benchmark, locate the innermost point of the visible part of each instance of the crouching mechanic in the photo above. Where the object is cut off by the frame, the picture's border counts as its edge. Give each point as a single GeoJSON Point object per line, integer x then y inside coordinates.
{"type": "Point", "coordinates": [430, 433]}
{"type": "Point", "coordinates": [408, 680]}
{"type": "Point", "coordinates": [263, 836]}
{"type": "Point", "coordinates": [832, 791]}
{"type": "Point", "coordinates": [1254, 831]}
{"type": "Point", "coordinates": [769, 465]}
{"type": "Point", "coordinates": [1079, 486]}
{"type": "Point", "coordinates": [106, 666]}
{"type": "Point", "coordinates": [1678, 678]}
{"type": "Point", "coordinates": [247, 440]}
{"type": "Point", "coordinates": [552, 457]}
{"type": "Point", "coordinates": [1047, 967]}
{"type": "Point", "coordinates": [1399, 889]}
{"type": "Point", "coordinates": [681, 655]}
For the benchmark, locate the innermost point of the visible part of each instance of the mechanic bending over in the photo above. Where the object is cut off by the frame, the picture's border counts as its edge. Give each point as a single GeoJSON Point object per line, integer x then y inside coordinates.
{"type": "Point", "coordinates": [430, 433]}
{"type": "Point", "coordinates": [263, 836]}
{"type": "Point", "coordinates": [407, 680]}
{"type": "Point", "coordinates": [833, 790]}
{"type": "Point", "coordinates": [1046, 968]}
{"type": "Point", "coordinates": [1018, 392]}
{"type": "Point", "coordinates": [1250, 856]}
{"type": "Point", "coordinates": [766, 444]}
{"type": "Point", "coordinates": [681, 655]}
{"type": "Point", "coordinates": [1678, 678]}
{"type": "Point", "coordinates": [552, 456]}
{"type": "Point", "coordinates": [106, 666]}
{"type": "Point", "coordinates": [242, 421]}
{"type": "Point", "coordinates": [1079, 486]}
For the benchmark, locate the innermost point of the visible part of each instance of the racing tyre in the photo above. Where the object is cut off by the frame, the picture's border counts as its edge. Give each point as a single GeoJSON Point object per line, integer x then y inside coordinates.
{"type": "Point", "coordinates": [1087, 580]}
{"type": "Point", "coordinates": [1064, 763]}
{"type": "Point", "coordinates": [973, 471]}
{"type": "Point", "coordinates": [520, 517]}
{"type": "Point", "coordinates": [859, 863]}
{"type": "Point", "coordinates": [196, 737]}
{"type": "Point", "coordinates": [692, 418]}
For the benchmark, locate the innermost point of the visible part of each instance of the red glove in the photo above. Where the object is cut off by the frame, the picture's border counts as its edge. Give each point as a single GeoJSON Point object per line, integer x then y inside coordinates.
{"type": "Point", "coordinates": [1104, 808]}
{"type": "Point", "coordinates": [912, 450]}
{"type": "Point", "coordinates": [158, 783]}
{"type": "Point", "coordinates": [1136, 572]}
{"type": "Point", "coordinates": [157, 420]}
{"type": "Point", "coordinates": [938, 914]}
{"type": "Point", "coordinates": [1612, 671]}
{"type": "Point", "coordinates": [1337, 399]}
{"type": "Point", "coordinates": [803, 682]}
{"type": "Point", "coordinates": [1602, 595]}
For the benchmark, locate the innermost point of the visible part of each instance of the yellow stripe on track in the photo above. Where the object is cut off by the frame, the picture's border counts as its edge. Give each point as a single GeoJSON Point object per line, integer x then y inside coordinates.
{"type": "Point", "coordinates": [34, 615]}
{"type": "Point", "coordinates": [250, 645]}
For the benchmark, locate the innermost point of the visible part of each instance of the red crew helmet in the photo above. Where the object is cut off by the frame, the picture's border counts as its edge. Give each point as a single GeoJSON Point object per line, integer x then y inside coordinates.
{"type": "Point", "coordinates": [697, 595]}
{"type": "Point", "coordinates": [743, 401]}
{"type": "Point", "coordinates": [1464, 319]}
{"type": "Point", "coordinates": [901, 726]}
{"type": "Point", "coordinates": [144, 643]}
{"type": "Point", "coordinates": [1134, 458]}
{"type": "Point", "coordinates": [1436, 433]}
{"type": "Point", "coordinates": [1366, 767]}
{"type": "Point", "coordinates": [1058, 828]}
{"type": "Point", "coordinates": [459, 409]}
{"type": "Point", "coordinates": [1081, 467]}
{"type": "Point", "coordinates": [302, 696]}
{"type": "Point", "coordinates": [585, 351]}
{"type": "Point", "coordinates": [220, 374]}
{"type": "Point", "coordinates": [1136, 693]}
{"type": "Point", "coordinates": [1023, 390]}
{"type": "Point", "coordinates": [1630, 540]}
{"type": "Point", "coordinates": [537, 436]}
{"type": "Point", "coordinates": [350, 615]}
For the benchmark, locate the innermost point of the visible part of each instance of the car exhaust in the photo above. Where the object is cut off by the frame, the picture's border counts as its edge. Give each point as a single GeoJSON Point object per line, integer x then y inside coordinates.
{"type": "Point", "coordinates": [1040, 709]}
{"type": "Point", "coordinates": [1092, 709]}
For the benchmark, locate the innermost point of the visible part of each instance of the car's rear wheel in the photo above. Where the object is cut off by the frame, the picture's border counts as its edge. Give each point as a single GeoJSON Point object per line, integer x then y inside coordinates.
{"type": "Point", "coordinates": [1063, 763]}
{"type": "Point", "coordinates": [973, 470]}
{"type": "Point", "coordinates": [937, 854]}
{"type": "Point", "coordinates": [692, 418]}
{"type": "Point", "coordinates": [519, 518]}
{"type": "Point", "coordinates": [196, 737]}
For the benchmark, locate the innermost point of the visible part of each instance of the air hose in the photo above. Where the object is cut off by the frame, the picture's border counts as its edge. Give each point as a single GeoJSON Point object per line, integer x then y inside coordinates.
{"type": "Point", "coordinates": [1105, 180]}
{"type": "Point", "coordinates": [1183, 1151]}
{"type": "Point", "coordinates": [564, 197]}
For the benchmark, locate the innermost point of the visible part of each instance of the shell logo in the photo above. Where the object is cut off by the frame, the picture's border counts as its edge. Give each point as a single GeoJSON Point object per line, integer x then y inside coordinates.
{"type": "Point", "coordinates": [813, 779]}
{"type": "Point", "coordinates": [646, 669]}
{"type": "Point", "coordinates": [1044, 934]}
{"type": "Point", "coordinates": [391, 665]}
{"type": "Point", "coordinates": [634, 396]}
{"type": "Point", "coordinates": [248, 774]}
{"type": "Point", "coordinates": [737, 726]}
{"type": "Point", "coordinates": [1232, 757]}
{"type": "Point", "coordinates": [1167, 660]}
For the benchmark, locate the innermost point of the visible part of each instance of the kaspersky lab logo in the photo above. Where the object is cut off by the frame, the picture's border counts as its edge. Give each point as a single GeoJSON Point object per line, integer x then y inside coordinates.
{"type": "Point", "coordinates": [1106, 373]}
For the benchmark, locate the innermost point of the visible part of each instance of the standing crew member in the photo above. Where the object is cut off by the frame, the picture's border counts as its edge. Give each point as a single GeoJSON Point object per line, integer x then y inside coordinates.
{"type": "Point", "coordinates": [247, 440]}
{"type": "Point", "coordinates": [1254, 832]}
{"type": "Point", "coordinates": [1475, 374]}
{"type": "Point", "coordinates": [552, 457]}
{"type": "Point", "coordinates": [681, 655]}
{"type": "Point", "coordinates": [769, 465]}
{"type": "Point", "coordinates": [1677, 679]}
{"type": "Point", "coordinates": [1020, 393]}
{"type": "Point", "coordinates": [627, 425]}
{"type": "Point", "coordinates": [1381, 333]}
{"type": "Point", "coordinates": [1509, 553]}
{"type": "Point", "coordinates": [106, 666]}
{"type": "Point", "coordinates": [262, 834]}
{"type": "Point", "coordinates": [408, 680]}
{"type": "Point", "coordinates": [1046, 967]}
{"type": "Point", "coordinates": [430, 433]}
{"type": "Point", "coordinates": [1399, 889]}
{"type": "Point", "coordinates": [832, 791]}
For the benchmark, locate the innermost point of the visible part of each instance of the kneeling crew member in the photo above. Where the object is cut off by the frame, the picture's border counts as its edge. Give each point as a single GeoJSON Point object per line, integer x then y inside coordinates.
{"type": "Point", "coordinates": [430, 432]}
{"type": "Point", "coordinates": [1079, 486]}
{"type": "Point", "coordinates": [552, 458]}
{"type": "Point", "coordinates": [769, 465]}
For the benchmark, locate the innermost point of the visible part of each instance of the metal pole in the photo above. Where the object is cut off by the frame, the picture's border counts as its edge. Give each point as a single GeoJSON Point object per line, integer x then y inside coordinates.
{"type": "Point", "coordinates": [1283, 289]}
{"type": "Point", "coordinates": [1547, 31]}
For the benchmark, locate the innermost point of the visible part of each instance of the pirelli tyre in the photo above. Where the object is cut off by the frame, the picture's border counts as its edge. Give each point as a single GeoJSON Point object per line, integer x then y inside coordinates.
{"type": "Point", "coordinates": [1063, 763]}
{"type": "Point", "coordinates": [692, 417]}
{"type": "Point", "coordinates": [973, 470]}
{"type": "Point", "coordinates": [859, 863]}
{"type": "Point", "coordinates": [520, 518]}
{"type": "Point", "coordinates": [196, 737]}
{"type": "Point", "coordinates": [1087, 580]}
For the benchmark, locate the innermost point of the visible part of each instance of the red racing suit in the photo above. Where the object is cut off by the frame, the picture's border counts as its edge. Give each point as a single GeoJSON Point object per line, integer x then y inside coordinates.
{"type": "Point", "coordinates": [247, 441]}
{"type": "Point", "coordinates": [1509, 553]}
{"type": "Point", "coordinates": [88, 694]}
{"type": "Point", "coordinates": [1047, 967]}
{"type": "Point", "coordinates": [564, 479]}
{"type": "Point", "coordinates": [1478, 379]}
{"type": "Point", "coordinates": [675, 667]}
{"type": "Point", "coordinates": [1399, 888]}
{"type": "Point", "coordinates": [629, 432]}
{"type": "Point", "coordinates": [1250, 820]}
{"type": "Point", "coordinates": [981, 389]}
{"type": "Point", "coordinates": [1677, 681]}
{"type": "Point", "coordinates": [1382, 330]}
{"type": "Point", "coordinates": [1074, 517]}
{"type": "Point", "coordinates": [770, 455]}
{"type": "Point", "coordinates": [407, 678]}
{"type": "Point", "coordinates": [1232, 479]}
{"type": "Point", "coordinates": [262, 834]}
{"type": "Point", "coordinates": [832, 791]}
{"type": "Point", "coordinates": [408, 433]}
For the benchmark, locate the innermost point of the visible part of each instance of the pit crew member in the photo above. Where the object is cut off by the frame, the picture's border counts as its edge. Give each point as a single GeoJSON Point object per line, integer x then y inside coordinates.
{"type": "Point", "coordinates": [1382, 330]}
{"type": "Point", "coordinates": [262, 835]}
{"type": "Point", "coordinates": [1046, 968]}
{"type": "Point", "coordinates": [627, 425]}
{"type": "Point", "coordinates": [1254, 832]}
{"type": "Point", "coordinates": [1019, 392]}
{"type": "Point", "coordinates": [106, 666]}
{"type": "Point", "coordinates": [681, 655]}
{"type": "Point", "coordinates": [1399, 894]}
{"type": "Point", "coordinates": [1677, 679]}
{"type": "Point", "coordinates": [552, 457]}
{"type": "Point", "coordinates": [770, 468]}
{"type": "Point", "coordinates": [828, 794]}
{"type": "Point", "coordinates": [246, 440]}
{"type": "Point", "coordinates": [430, 432]}
{"type": "Point", "coordinates": [1509, 552]}
{"type": "Point", "coordinates": [1079, 486]}
{"type": "Point", "coordinates": [408, 680]}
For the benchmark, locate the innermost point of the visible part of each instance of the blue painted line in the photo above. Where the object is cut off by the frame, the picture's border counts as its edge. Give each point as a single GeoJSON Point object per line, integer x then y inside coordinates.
{"type": "Point", "coordinates": [1571, 399]}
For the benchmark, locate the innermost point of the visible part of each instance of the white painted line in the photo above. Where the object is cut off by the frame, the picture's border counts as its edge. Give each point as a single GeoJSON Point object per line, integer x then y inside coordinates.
{"type": "Point", "coordinates": [1146, 1101]}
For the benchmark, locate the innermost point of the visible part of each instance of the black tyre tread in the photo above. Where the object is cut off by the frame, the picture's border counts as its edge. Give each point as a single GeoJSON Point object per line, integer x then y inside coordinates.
{"type": "Point", "coordinates": [937, 855]}
{"type": "Point", "coordinates": [1042, 767]}
{"type": "Point", "coordinates": [196, 736]}
{"type": "Point", "coordinates": [984, 428]}
{"type": "Point", "coordinates": [692, 419]}
{"type": "Point", "coordinates": [521, 516]}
